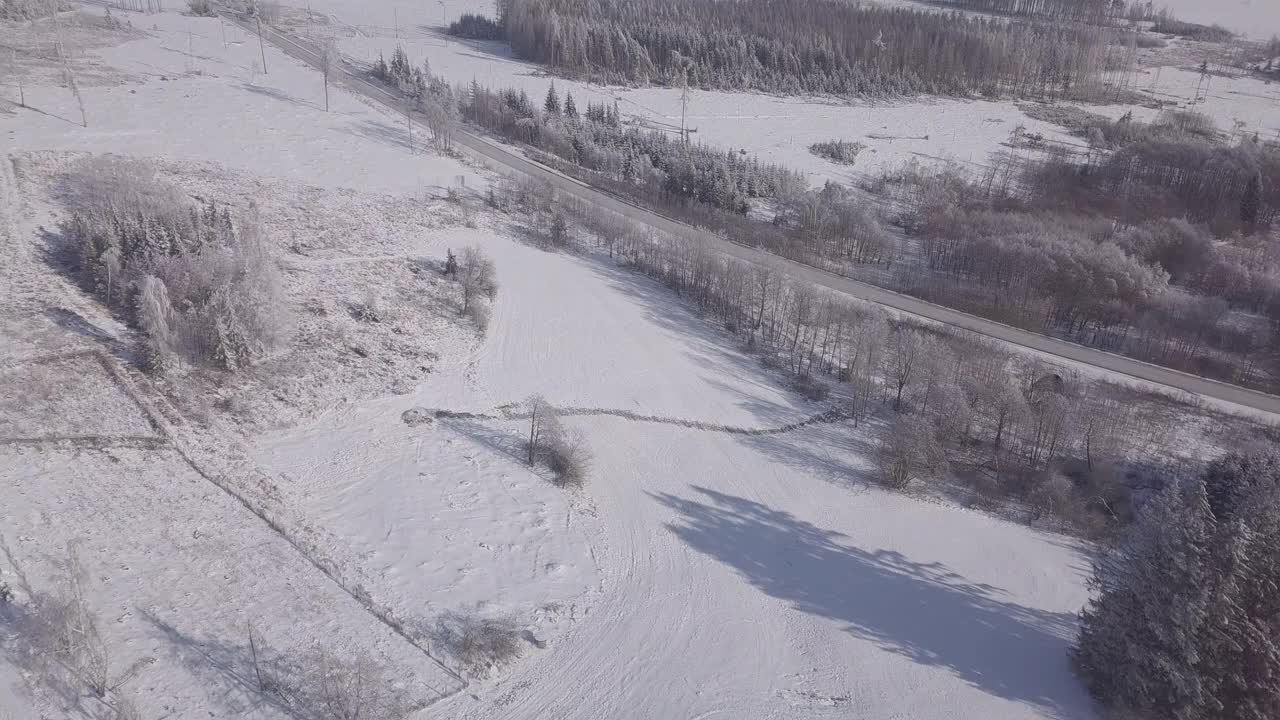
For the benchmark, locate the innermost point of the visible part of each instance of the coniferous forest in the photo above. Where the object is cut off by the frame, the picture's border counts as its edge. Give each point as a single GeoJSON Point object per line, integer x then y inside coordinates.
{"type": "Point", "coordinates": [808, 46]}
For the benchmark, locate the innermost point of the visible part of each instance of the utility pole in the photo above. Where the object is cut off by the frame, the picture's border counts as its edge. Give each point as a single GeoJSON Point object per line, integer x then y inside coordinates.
{"type": "Point", "coordinates": [684, 107]}
{"type": "Point", "coordinates": [22, 95]}
{"type": "Point", "coordinates": [262, 47]}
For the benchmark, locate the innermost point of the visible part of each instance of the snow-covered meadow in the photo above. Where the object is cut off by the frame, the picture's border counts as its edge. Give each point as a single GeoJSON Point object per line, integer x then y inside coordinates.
{"type": "Point", "coordinates": [699, 573]}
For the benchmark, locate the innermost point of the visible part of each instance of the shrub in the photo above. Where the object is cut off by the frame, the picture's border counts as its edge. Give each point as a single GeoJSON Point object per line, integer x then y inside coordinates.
{"type": "Point", "coordinates": [479, 645]}
{"type": "Point", "coordinates": [909, 452]}
{"type": "Point", "coordinates": [201, 8]}
{"type": "Point", "coordinates": [477, 27]}
{"type": "Point", "coordinates": [840, 151]}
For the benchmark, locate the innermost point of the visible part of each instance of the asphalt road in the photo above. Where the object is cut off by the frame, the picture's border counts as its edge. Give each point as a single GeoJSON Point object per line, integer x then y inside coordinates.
{"type": "Point", "coordinates": [498, 155]}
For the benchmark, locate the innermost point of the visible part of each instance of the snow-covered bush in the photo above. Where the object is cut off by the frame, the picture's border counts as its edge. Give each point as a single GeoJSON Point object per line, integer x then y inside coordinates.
{"type": "Point", "coordinates": [479, 645]}
{"type": "Point", "coordinates": [910, 451]}
{"type": "Point", "coordinates": [349, 687]}
{"type": "Point", "coordinates": [200, 285]}
{"type": "Point", "coordinates": [843, 152]}
{"type": "Point", "coordinates": [29, 9]}
{"type": "Point", "coordinates": [201, 8]}
{"type": "Point", "coordinates": [564, 452]}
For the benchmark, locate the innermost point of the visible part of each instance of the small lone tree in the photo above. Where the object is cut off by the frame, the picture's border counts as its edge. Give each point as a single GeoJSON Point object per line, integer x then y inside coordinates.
{"type": "Point", "coordinates": [477, 275]}
{"type": "Point", "coordinates": [1251, 202]}
{"type": "Point", "coordinates": [570, 108]}
{"type": "Point", "coordinates": [552, 103]}
{"type": "Point", "coordinates": [542, 418]}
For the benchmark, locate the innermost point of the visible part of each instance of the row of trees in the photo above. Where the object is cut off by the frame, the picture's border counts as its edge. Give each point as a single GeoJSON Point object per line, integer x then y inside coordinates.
{"type": "Point", "coordinates": [1185, 622]}
{"type": "Point", "coordinates": [789, 46]}
{"type": "Point", "coordinates": [1092, 11]}
{"type": "Point", "coordinates": [200, 284]}
{"type": "Point", "coordinates": [429, 94]}
{"type": "Point", "coordinates": [1007, 422]}
{"type": "Point", "coordinates": [1176, 166]}
{"type": "Point", "coordinates": [597, 140]}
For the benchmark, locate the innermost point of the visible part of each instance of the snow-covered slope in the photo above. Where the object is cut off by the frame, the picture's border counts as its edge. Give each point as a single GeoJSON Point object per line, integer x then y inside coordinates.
{"type": "Point", "coordinates": [699, 574]}
{"type": "Point", "coordinates": [743, 576]}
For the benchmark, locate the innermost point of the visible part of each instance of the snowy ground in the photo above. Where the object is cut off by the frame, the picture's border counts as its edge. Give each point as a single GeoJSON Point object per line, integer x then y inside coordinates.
{"type": "Point", "coordinates": [777, 129]}
{"type": "Point", "coordinates": [698, 574]}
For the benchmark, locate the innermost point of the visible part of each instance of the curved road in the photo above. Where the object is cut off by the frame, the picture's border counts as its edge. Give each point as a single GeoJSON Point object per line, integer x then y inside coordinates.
{"type": "Point", "coordinates": [497, 154]}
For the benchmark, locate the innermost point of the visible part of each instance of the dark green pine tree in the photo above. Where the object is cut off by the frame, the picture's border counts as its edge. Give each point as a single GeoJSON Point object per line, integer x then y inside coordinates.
{"type": "Point", "coordinates": [552, 103]}
{"type": "Point", "coordinates": [570, 109]}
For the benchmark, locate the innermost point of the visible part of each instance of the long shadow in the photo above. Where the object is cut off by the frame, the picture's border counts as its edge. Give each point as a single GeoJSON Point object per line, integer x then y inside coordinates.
{"type": "Point", "coordinates": [922, 611]}
{"type": "Point", "coordinates": [277, 94]}
{"type": "Point", "coordinates": [706, 345]}
{"type": "Point", "coordinates": [226, 669]}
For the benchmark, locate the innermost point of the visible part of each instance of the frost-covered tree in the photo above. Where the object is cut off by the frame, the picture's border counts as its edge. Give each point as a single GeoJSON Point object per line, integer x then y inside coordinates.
{"type": "Point", "coordinates": [552, 104]}
{"type": "Point", "coordinates": [1185, 622]}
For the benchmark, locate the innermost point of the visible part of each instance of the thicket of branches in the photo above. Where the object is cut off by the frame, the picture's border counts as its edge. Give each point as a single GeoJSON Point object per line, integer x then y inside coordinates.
{"type": "Point", "coordinates": [1157, 243]}
{"type": "Point", "coordinates": [789, 46]}
{"type": "Point", "coordinates": [30, 9]}
{"type": "Point", "coordinates": [200, 284]}
{"type": "Point", "coordinates": [1185, 622]}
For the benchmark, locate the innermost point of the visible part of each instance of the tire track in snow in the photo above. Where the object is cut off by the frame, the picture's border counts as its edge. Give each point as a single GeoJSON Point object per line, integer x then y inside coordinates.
{"type": "Point", "coordinates": [824, 418]}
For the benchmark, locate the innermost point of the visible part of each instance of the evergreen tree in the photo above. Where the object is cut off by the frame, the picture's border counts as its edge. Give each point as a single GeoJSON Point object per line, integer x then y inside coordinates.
{"type": "Point", "coordinates": [570, 109]}
{"type": "Point", "coordinates": [1251, 203]}
{"type": "Point", "coordinates": [552, 103]}
{"type": "Point", "coordinates": [1142, 635]}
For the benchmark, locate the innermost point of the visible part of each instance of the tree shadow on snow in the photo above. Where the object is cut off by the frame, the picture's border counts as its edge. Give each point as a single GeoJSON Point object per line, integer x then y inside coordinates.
{"type": "Point", "coordinates": [706, 345]}
{"type": "Point", "coordinates": [277, 94]}
{"type": "Point", "coordinates": [921, 611]}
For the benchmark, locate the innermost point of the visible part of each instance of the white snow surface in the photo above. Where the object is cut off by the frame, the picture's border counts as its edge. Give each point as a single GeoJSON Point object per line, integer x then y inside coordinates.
{"type": "Point", "coordinates": [742, 576]}
{"type": "Point", "coordinates": [776, 129]}
{"type": "Point", "coordinates": [188, 97]}
{"type": "Point", "coordinates": [698, 574]}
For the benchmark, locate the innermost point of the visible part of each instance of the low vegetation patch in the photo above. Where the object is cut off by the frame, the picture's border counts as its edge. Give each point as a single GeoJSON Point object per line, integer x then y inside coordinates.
{"type": "Point", "coordinates": [480, 645]}
{"type": "Point", "coordinates": [199, 283]}
{"type": "Point", "coordinates": [840, 151]}
{"type": "Point", "coordinates": [562, 451]}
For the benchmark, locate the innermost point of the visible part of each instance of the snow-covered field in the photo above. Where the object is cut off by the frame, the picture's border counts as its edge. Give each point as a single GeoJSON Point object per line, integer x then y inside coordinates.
{"type": "Point", "coordinates": [698, 574]}
{"type": "Point", "coordinates": [777, 129]}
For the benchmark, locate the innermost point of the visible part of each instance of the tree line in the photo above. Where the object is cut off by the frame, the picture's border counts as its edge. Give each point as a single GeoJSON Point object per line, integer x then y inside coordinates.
{"type": "Point", "coordinates": [811, 46]}
{"type": "Point", "coordinates": [1092, 11]}
{"type": "Point", "coordinates": [1185, 619]}
{"type": "Point", "coordinates": [1009, 425]}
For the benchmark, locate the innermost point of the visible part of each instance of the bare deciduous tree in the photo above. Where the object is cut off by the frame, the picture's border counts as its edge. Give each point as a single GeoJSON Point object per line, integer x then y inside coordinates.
{"type": "Point", "coordinates": [909, 451]}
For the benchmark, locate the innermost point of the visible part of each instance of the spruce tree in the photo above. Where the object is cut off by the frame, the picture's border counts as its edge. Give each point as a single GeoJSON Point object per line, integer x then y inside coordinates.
{"type": "Point", "coordinates": [552, 103]}
{"type": "Point", "coordinates": [1142, 635]}
{"type": "Point", "coordinates": [570, 109]}
{"type": "Point", "coordinates": [1251, 203]}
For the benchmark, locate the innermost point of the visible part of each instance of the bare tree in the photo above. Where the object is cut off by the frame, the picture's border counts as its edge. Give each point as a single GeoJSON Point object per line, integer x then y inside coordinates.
{"type": "Point", "coordinates": [903, 360]}
{"type": "Point", "coordinates": [910, 451]}
{"type": "Point", "coordinates": [542, 419]}
{"type": "Point", "coordinates": [477, 275]}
